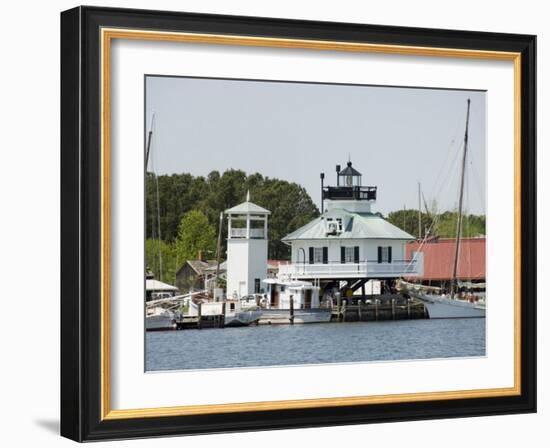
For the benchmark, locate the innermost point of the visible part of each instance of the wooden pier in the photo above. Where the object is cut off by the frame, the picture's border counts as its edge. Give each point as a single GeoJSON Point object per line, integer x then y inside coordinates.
{"type": "Point", "coordinates": [365, 309]}
{"type": "Point", "coordinates": [202, 321]}
{"type": "Point", "coordinates": [387, 307]}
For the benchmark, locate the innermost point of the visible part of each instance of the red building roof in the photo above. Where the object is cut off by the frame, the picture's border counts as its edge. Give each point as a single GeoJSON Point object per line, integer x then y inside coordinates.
{"type": "Point", "coordinates": [439, 256]}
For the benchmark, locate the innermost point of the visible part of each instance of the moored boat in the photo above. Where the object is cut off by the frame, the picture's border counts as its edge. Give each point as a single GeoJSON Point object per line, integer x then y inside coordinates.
{"type": "Point", "coordinates": [242, 318]}
{"type": "Point", "coordinates": [159, 319]}
{"type": "Point", "coordinates": [443, 307]}
{"type": "Point", "coordinates": [453, 305]}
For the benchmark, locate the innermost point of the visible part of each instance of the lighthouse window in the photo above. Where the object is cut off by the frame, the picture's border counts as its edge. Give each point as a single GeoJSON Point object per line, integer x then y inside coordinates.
{"type": "Point", "coordinates": [317, 255]}
{"type": "Point", "coordinates": [384, 254]}
{"type": "Point", "coordinates": [348, 254]}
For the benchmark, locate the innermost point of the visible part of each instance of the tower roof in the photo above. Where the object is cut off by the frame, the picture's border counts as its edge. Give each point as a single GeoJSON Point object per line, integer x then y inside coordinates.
{"type": "Point", "coordinates": [349, 171]}
{"type": "Point", "coordinates": [247, 208]}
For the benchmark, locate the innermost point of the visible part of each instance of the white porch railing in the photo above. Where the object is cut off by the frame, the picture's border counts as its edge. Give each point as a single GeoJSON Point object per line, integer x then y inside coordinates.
{"type": "Point", "coordinates": [353, 270]}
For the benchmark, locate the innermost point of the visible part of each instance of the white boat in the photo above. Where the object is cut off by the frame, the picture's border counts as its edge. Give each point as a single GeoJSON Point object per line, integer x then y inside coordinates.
{"type": "Point", "coordinates": [158, 318]}
{"type": "Point", "coordinates": [242, 318]}
{"type": "Point", "coordinates": [443, 307]}
{"type": "Point", "coordinates": [283, 316]}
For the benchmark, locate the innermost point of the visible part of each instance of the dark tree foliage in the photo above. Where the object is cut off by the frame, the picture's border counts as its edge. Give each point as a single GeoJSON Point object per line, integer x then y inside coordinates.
{"type": "Point", "coordinates": [289, 203]}
{"type": "Point", "coordinates": [442, 224]}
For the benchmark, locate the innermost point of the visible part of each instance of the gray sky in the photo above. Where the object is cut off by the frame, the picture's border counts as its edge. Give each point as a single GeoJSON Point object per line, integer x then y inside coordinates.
{"type": "Point", "coordinates": [395, 137]}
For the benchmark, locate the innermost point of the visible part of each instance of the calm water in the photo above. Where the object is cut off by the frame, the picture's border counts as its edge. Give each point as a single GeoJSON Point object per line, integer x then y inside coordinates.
{"type": "Point", "coordinates": [314, 344]}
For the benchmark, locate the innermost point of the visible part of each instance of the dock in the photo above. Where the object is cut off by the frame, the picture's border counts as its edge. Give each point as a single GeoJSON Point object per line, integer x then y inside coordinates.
{"type": "Point", "coordinates": [385, 307]}
{"type": "Point", "coordinates": [200, 322]}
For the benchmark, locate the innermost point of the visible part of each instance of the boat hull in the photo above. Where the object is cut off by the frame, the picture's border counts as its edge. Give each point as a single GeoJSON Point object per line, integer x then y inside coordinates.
{"type": "Point", "coordinates": [446, 308]}
{"type": "Point", "coordinates": [242, 318]}
{"type": "Point", "coordinates": [160, 323]}
{"type": "Point", "coordinates": [276, 316]}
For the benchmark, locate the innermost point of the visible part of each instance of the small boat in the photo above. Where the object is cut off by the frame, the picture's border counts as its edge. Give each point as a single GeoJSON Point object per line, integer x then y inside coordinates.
{"type": "Point", "coordinates": [158, 319]}
{"type": "Point", "coordinates": [242, 318]}
{"type": "Point", "coordinates": [443, 307]}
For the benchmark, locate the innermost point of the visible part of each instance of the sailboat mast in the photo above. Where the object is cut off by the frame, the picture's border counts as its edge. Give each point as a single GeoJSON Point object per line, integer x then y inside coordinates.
{"type": "Point", "coordinates": [419, 213]}
{"type": "Point", "coordinates": [460, 201]}
{"type": "Point", "coordinates": [149, 138]}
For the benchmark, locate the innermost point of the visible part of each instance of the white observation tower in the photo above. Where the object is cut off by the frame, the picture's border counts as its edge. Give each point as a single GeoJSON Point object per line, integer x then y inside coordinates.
{"type": "Point", "coordinates": [246, 248]}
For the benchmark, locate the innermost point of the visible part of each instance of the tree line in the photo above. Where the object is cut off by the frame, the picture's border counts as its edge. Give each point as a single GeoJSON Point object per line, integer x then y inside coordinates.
{"type": "Point", "coordinates": [188, 209]}
{"type": "Point", "coordinates": [442, 224]}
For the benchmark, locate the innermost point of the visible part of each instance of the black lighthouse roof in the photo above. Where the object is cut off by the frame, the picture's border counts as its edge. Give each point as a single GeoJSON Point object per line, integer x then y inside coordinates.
{"type": "Point", "coordinates": [349, 171]}
{"type": "Point", "coordinates": [348, 186]}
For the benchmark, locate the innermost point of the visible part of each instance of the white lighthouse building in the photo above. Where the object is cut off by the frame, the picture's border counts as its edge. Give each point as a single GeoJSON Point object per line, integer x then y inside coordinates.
{"type": "Point", "coordinates": [246, 248]}
{"type": "Point", "coordinates": [349, 244]}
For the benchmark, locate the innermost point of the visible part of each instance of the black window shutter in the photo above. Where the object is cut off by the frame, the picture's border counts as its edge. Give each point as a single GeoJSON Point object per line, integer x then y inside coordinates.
{"type": "Point", "coordinates": [389, 254]}
{"type": "Point", "coordinates": [342, 254]}
{"type": "Point", "coordinates": [379, 254]}
{"type": "Point", "coordinates": [325, 255]}
{"type": "Point", "coordinates": [356, 254]}
{"type": "Point", "coordinates": [311, 255]}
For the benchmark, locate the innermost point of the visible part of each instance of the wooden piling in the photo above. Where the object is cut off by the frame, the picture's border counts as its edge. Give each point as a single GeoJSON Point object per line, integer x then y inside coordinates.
{"type": "Point", "coordinates": [408, 308]}
{"type": "Point", "coordinates": [359, 310]}
{"type": "Point", "coordinates": [222, 320]}
{"type": "Point", "coordinates": [339, 306]}
{"type": "Point", "coordinates": [393, 309]}
{"type": "Point", "coordinates": [199, 316]}
{"type": "Point", "coordinates": [291, 310]}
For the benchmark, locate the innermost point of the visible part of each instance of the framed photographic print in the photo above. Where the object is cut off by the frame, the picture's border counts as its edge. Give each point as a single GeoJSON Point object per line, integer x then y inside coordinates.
{"type": "Point", "coordinates": [272, 223]}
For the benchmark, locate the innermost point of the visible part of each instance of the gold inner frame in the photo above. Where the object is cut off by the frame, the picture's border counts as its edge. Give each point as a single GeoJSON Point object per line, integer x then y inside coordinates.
{"type": "Point", "coordinates": [107, 35]}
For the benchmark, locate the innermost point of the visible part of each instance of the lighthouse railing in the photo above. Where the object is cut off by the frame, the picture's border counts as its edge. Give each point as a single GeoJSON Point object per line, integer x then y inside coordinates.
{"type": "Point", "coordinates": [396, 268]}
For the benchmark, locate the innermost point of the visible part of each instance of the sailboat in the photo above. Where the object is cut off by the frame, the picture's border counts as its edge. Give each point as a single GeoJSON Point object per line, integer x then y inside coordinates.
{"type": "Point", "coordinates": [446, 306]}
{"type": "Point", "coordinates": [157, 317]}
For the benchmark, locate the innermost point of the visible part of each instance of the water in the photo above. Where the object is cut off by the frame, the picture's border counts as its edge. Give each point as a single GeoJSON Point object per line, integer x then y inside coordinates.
{"type": "Point", "coordinates": [279, 345]}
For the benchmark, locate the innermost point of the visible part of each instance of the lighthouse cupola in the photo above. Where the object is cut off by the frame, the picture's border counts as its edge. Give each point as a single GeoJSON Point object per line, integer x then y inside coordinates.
{"type": "Point", "coordinates": [349, 192]}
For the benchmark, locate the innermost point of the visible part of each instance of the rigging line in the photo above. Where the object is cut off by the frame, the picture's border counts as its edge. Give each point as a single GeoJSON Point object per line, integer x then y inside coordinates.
{"type": "Point", "coordinates": [479, 191]}
{"type": "Point", "coordinates": [159, 242]}
{"type": "Point", "coordinates": [159, 230]}
{"type": "Point", "coordinates": [451, 169]}
{"type": "Point", "coordinates": [448, 156]}
{"type": "Point", "coordinates": [469, 233]}
{"type": "Point", "coordinates": [434, 224]}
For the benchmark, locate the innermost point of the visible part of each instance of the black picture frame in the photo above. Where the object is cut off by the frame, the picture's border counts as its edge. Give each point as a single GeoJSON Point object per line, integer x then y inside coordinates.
{"type": "Point", "coordinates": [81, 382]}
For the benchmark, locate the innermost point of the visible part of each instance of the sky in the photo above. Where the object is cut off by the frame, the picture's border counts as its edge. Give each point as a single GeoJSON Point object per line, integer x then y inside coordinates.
{"type": "Point", "coordinates": [395, 136]}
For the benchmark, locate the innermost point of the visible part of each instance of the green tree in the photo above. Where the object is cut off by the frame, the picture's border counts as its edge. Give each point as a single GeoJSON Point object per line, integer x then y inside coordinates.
{"type": "Point", "coordinates": [161, 259]}
{"type": "Point", "coordinates": [442, 224]}
{"type": "Point", "coordinates": [195, 235]}
{"type": "Point", "coordinates": [407, 220]}
{"type": "Point", "coordinates": [178, 194]}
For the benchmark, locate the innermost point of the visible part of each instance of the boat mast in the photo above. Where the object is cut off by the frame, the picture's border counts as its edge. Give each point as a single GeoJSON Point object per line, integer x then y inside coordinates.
{"type": "Point", "coordinates": [419, 213]}
{"type": "Point", "coordinates": [218, 251]}
{"type": "Point", "coordinates": [460, 200]}
{"type": "Point", "coordinates": [149, 138]}
{"type": "Point", "coordinates": [147, 152]}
